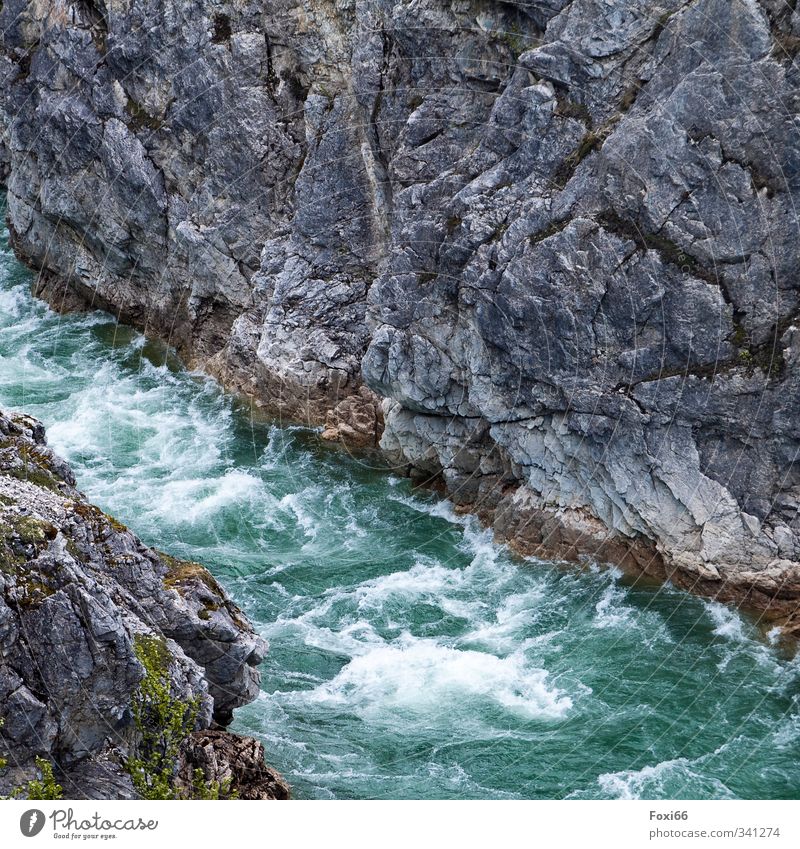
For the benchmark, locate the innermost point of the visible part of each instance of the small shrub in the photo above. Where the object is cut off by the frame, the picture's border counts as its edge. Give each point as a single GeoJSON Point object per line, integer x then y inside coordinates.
{"type": "Point", "coordinates": [163, 723]}
{"type": "Point", "coordinates": [46, 787]}
{"type": "Point", "coordinates": [210, 790]}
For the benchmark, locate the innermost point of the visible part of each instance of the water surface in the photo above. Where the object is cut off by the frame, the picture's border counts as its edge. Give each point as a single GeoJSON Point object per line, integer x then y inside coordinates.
{"type": "Point", "coordinates": [410, 655]}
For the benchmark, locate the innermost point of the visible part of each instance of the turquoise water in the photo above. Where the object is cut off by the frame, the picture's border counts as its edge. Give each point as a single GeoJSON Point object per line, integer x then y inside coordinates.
{"type": "Point", "coordinates": [410, 655]}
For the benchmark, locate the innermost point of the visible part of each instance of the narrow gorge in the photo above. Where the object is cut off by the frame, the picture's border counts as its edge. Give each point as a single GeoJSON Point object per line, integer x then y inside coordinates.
{"type": "Point", "coordinates": [539, 257]}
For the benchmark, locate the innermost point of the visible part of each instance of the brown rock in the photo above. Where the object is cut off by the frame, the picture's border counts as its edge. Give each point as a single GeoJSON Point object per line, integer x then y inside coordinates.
{"type": "Point", "coordinates": [227, 757]}
{"type": "Point", "coordinates": [356, 421]}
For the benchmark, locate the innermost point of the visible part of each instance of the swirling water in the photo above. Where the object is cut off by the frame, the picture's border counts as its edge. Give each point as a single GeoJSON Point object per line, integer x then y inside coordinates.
{"type": "Point", "coordinates": [410, 655]}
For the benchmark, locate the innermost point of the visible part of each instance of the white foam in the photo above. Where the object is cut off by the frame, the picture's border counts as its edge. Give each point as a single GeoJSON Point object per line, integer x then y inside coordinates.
{"type": "Point", "coordinates": [194, 499]}
{"type": "Point", "coordinates": [352, 527]}
{"type": "Point", "coordinates": [297, 504]}
{"type": "Point", "coordinates": [728, 623]}
{"type": "Point", "coordinates": [350, 640]}
{"type": "Point", "coordinates": [787, 735]}
{"type": "Point", "coordinates": [12, 302]}
{"type": "Point", "coordinates": [503, 628]}
{"type": "Point", "coordinates": [610, 612]}
{"type": "Point", "coordinates": [415, 676]}
{"type": "Point", "coordinates": [652, 782]}
{"type": "Point", "coordinates": [424, 578]}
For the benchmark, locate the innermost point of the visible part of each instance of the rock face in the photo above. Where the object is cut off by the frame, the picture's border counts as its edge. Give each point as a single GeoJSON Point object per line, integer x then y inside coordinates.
{"type": "Point", "coordinates": [558, 237]}
{"type": "Point", "coordinates": [77, 590]}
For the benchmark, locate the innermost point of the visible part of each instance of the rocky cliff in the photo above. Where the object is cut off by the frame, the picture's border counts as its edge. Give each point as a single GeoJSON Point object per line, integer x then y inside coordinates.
{"type": "Point", "coordinates": [557, 237]}
{"type": "Point", "coordinates": [77, 591]}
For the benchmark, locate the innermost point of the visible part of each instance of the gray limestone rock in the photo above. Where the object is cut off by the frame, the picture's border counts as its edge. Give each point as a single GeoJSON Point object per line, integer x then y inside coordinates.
{"type": "Point", "coordinates": [77, 590]}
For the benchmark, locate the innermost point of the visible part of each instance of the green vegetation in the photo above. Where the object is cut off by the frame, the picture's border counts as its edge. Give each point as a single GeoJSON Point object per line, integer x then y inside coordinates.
{"type": "Point", "coordinates": [139, 118]}
{"type": "Point", "coordinates": [163, 723]}
{"type": "Point", "coordinates": [95, 516]}
{"type": "Point", "coordinates": [187, 571]}
{"type": "Point", "coordinates": [183, 573]}
{"type": "Point", "coordinates": [210, 791]}
{"type": "Point", "coordinates": [767, 356]}
{"type": "Point", "coordinates": [46, 787]}
{"type": "Point", "coordinates": [22, 538]}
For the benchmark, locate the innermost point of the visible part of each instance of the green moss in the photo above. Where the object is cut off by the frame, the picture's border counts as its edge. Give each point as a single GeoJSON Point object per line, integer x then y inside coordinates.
{"type": "Point", "coordinates": [739, 337]}
{"type": "Point", "coordinates": [96, 517]}
{"type": "Point", "coordinates": [181, 573]}
{"type": "Point", "coordinates": [115, 524]}
{"type": "Point", "coordinates": [591, 141]}
{"type": "Point", "coordinates": [75, 552]}
{"type": "Point", "coordinates": [33, 531]}
{"type": "Point", "coordinates": [768, 357]}
{"type": "Point", "coordinates": [668, 251]}
{"type": "Point", "coordinates": [9, 562]}
{"type": "Point", "coordinates": [18, 533]}
{"type": "Point", "coordinates": [567, 108]}
{"type": "Point", "coordinates": [453, 224]}
{"type": "Point", "coordinates": [31, 589]}
{"type": "Point", "coordinates": [22, 538]}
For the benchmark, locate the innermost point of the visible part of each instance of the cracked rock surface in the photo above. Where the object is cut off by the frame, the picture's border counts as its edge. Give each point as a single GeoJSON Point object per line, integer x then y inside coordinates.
{"type": "Point", "coordinates": [77, 589]}
{"type": "Point", "coordinates": [558, 238]}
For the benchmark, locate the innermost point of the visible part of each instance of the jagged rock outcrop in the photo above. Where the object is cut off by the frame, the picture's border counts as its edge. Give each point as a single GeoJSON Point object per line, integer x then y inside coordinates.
{"type": "Point", "coordinates": [230, 761]}
{"type": "Point", "coordinates": [558, 237]}
{"type": "Point", "coordinates": [77, 590]}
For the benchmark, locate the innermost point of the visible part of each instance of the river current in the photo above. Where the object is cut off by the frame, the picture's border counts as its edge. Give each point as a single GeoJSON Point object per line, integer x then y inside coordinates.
{"type": "Point", "coordinates": [410, 655]}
